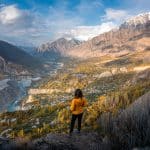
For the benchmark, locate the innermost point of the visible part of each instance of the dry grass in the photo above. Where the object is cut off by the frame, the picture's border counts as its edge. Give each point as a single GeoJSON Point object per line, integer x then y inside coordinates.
{"type": "Point", "coordinates": [131, 127]}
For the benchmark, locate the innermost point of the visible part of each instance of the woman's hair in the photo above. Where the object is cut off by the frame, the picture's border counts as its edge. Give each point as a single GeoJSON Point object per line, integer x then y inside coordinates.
{"type": "Point", "coordinates": [78, 93]}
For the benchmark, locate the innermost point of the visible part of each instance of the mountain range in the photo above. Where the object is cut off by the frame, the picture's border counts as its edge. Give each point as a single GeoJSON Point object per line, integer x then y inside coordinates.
{"type": "Point", "coordinates": [131, 35]}
{"type": "Point", "coordinates": [58, 48]}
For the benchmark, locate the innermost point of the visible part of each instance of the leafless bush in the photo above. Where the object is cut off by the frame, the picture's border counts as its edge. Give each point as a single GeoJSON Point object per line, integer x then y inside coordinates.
{"type": "Point", "coordinates": [130, 128]}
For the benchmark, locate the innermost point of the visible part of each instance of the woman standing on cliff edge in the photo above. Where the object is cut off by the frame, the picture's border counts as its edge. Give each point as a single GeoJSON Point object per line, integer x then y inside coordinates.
{"type": "Point", "coordinates": [76, 108]}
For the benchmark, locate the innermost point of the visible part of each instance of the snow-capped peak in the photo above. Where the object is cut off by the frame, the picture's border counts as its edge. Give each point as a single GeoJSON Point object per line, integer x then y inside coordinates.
{"type": "Point", "coordinates": [139, 19]}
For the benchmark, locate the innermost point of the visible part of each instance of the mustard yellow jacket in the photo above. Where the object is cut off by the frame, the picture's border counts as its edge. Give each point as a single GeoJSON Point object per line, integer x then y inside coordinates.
{"type": "Point", "coordinates": [77, 105]}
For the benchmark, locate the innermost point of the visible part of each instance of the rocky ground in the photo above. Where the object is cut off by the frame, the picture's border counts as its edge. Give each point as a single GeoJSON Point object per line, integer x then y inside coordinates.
{"type": "Point", "coordinates": [82, 141]}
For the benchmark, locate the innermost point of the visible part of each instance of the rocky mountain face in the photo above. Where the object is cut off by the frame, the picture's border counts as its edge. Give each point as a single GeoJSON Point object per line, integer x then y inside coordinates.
{"type": "Point", "coordinates": [130, 36]}
{"type": "Point", "coordinates": [139, 20]}
{"type": "Point", "coordinates": [57, 48]}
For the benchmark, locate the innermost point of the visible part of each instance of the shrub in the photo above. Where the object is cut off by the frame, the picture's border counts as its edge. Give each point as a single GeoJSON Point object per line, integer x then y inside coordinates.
{"type": "Point", "coordinates": [130, 127]}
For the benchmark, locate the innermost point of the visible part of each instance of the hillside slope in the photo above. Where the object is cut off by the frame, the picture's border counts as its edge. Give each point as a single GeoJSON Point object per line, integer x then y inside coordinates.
{"type": "Point", "coordinates": [15, 55]}
{"type": "Point", "coordinates": [129, 130]}
{"type": "Point", "coordinates": [130, 127]}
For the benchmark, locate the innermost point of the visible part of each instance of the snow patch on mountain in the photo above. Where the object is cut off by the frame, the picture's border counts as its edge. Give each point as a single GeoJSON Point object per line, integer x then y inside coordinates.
{"type": "Point", "coordinates": [136, 20]}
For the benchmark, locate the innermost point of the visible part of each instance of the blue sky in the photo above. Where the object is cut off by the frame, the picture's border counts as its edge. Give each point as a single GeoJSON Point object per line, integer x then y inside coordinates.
{"type": "Point", "coordinates": [37, 21]}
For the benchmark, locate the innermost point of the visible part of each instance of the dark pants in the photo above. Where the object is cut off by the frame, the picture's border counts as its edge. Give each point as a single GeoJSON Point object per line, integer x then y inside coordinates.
{"type": "Point", "coordinates": [73, 119]}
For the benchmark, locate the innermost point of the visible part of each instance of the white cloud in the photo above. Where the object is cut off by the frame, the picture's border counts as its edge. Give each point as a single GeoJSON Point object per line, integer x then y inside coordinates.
{"type": "Point", "coordinates": [88, 32]}
{"type": "Point", "coordinates": [8, 14]}
{"type": "Point", "coordinates": [30, 26]}
{"type": "Point", "coordinates": [19, 25]}
{"type": "Point", "coordinates": [33, 26]}
{"type": "Point", "coordinates": [60, 21]}
{"type": "Point", "coordinates": [115, 15]}
{"type": "Point", "coordinates": [27, 26]}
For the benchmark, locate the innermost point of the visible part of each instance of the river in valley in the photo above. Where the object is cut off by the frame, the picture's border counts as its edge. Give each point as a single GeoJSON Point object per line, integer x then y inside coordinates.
{"type": "Point", "coordinates": [24, 83]}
